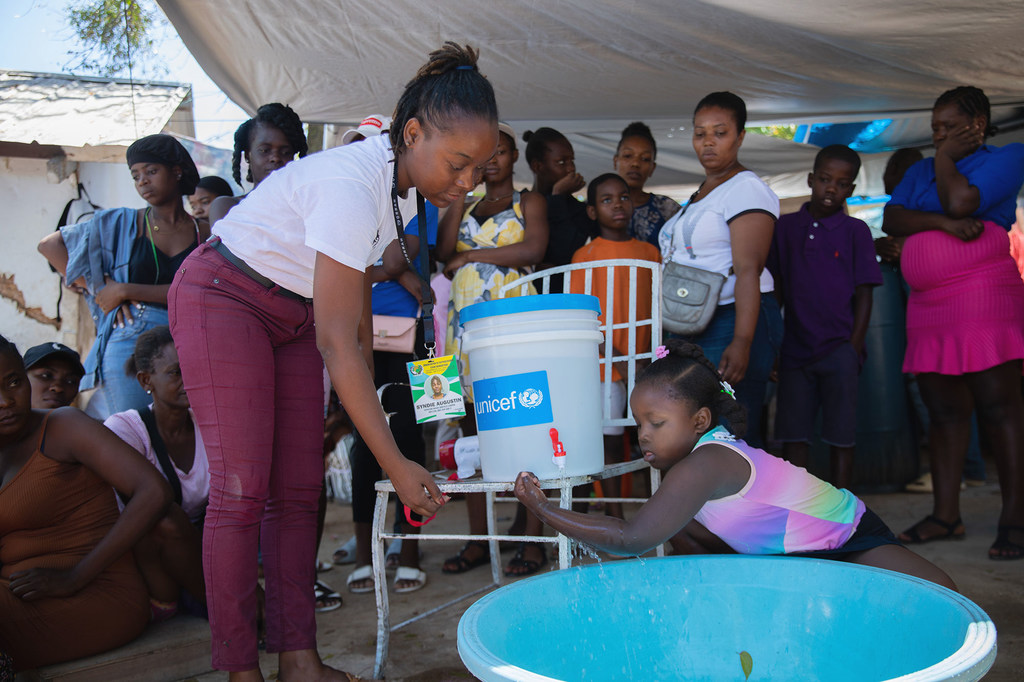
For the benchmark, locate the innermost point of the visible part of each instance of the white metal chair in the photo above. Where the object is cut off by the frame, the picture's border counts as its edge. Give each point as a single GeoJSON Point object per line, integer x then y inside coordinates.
{"type": "Point", "coordinates": [542, 282]}
{"type": "Point", "coordinates": [633, 268]}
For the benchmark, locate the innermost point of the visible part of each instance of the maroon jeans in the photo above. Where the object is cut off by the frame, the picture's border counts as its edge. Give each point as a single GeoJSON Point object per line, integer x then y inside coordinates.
{"type": "Point", "coordinates": [254, 378]}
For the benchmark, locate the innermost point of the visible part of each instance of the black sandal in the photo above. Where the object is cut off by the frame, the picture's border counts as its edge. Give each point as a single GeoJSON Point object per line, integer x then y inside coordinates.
{"type": "Point", "coordinates": [912, 536]}
{"type": "Point", "coordinates": [460, 564]}
{"type": "Point", "coordinates": [520, 566]}
{"type": "Point", "coordinates": [1004, 550]}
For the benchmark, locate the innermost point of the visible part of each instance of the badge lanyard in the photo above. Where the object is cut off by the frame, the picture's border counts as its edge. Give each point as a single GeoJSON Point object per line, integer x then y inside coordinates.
{"type": "Point", "coordinates": [452, 384]}
{"type": "Point", "coordinates": [448, 404]}
{"type": "Point", "coordinates": [427, 309]}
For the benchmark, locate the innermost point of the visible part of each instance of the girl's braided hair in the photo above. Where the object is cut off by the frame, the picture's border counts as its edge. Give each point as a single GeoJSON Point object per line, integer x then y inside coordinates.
{"type": "Point", "coordinates": [282, 117]}
{"type": "Point", "coordinates": [971, 101]}
{"type": "Point", "coordinates": [688, 375]}
{"type": "Point", "coordinates": [448, 86]}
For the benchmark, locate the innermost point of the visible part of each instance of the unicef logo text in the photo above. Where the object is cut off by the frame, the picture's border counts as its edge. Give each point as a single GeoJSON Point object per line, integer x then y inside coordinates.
{"type": "Point", "coordinates": [512, 401]}
{"type": "Point", "coordinates": [528, 398]}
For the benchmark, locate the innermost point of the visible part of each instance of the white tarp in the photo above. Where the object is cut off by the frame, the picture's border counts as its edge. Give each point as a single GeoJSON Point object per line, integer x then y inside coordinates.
{"type": "Point", "coordinates": [589, 67]}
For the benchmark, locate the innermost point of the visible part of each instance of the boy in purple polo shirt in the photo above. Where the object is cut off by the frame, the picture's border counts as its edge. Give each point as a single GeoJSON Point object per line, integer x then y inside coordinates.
{"type": "Point", "coordinates": [824, 266]}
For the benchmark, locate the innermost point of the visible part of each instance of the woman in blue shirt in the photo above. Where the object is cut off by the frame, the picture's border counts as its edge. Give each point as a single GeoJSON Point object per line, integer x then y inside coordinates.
{"type": "Point", "coordinates": [965, 313]}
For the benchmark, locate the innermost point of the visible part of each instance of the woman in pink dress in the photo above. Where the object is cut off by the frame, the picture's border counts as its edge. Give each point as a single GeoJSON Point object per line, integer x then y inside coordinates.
{"type": "Point", "coordinates": [965, 315]}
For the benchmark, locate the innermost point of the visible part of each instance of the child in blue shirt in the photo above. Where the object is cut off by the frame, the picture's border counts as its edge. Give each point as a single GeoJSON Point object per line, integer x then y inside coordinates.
{"type": "Point", "coordinates": [824, 266]}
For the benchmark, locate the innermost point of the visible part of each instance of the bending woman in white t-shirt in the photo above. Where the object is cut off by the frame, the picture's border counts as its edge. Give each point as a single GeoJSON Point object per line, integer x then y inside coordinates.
{"type": "Point", "coordinates": [727, 228]}
{"type": "Point", "coordinates": [242, 310]}
{"type": "Point", "coordinates": [170, 555]}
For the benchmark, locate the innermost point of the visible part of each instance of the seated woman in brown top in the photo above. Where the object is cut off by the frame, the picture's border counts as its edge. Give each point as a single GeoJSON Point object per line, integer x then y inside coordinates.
{"type": "Point", "coordinates": [68, 585]}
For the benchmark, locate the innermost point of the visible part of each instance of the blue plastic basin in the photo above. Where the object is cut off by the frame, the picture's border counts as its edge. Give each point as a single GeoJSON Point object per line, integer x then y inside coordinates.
{"type": "Point", "coordinates": [691, 617]}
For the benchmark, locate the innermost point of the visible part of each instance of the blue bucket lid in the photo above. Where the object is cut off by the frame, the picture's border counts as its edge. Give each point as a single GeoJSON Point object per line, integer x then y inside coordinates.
{"type": "Point", "coordinates": [529, 304]}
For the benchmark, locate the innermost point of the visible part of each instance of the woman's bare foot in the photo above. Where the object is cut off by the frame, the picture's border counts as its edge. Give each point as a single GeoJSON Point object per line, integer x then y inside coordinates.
{"type": "Point", "coordinates": [305, 666]}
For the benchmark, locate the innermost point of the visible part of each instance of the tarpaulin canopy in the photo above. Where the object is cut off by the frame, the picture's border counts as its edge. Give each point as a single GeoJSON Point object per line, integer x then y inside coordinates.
{"type": "Point", "coordinates": [589, 67]}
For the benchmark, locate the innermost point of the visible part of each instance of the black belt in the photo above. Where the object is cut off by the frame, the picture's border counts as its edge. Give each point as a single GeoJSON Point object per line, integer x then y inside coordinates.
{"type": "Point", "coordinates": [218, 246]}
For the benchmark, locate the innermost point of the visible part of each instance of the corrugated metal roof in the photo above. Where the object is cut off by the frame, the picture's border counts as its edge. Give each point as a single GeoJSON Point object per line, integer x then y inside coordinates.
{"type": "Point", "coordinates": [75, 111]}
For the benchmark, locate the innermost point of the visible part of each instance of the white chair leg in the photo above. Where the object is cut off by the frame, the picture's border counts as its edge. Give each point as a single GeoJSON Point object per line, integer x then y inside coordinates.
{"type": "Point", "coordinates": [380, 584]}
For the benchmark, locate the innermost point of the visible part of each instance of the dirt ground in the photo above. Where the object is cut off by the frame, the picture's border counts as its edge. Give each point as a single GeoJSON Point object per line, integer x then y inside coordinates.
{"type": "Point", "coordinates": [426, 650]}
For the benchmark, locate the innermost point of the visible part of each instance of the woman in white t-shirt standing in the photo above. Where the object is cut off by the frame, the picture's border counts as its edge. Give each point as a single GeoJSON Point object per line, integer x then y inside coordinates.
{"type": "Point", "coordinates": [727, 228]}
{"type": "Point", "coordinates": [242, 310]}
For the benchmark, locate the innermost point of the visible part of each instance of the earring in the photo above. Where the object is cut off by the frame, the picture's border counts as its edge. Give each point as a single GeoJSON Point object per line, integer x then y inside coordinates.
{"type": "Point", "coordinates": [149, 392]}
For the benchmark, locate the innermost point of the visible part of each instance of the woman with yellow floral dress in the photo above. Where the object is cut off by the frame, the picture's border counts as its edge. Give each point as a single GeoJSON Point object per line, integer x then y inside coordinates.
{"type": "Point", "coordinates": [498, 238]}
{"type": "Point", "coordinates": [484, 246]}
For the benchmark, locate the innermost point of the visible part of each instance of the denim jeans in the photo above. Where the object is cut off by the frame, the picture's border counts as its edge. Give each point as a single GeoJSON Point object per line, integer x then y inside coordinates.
{"type": "Point", "coordinates": [117, 391]}
{"type": "Point", "coordinates": [750, 392]}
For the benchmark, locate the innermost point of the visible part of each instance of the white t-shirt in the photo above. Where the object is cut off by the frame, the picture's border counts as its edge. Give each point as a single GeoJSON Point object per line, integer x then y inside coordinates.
{"type": "Point", "coordinates": [707, 224]}
{"type": "Point", "coordinates": [337, 202]}
{"type": "Point", "coordinates": [195, 484]}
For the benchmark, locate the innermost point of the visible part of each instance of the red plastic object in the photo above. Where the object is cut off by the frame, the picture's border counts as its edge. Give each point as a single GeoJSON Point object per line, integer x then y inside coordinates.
{"type": "Point", "coordinates": [556, 445]}
{"type": "Point", "coordinates": [413, 523]}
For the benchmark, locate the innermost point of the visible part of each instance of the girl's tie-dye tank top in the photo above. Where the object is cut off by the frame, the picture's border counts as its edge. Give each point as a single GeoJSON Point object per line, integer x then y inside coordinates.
{"type": "Point", "coordinates": [782, 509]}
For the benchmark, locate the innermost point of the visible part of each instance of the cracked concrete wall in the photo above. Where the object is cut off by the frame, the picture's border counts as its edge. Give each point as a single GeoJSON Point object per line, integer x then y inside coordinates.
{"type": "Point", "coordinates": [32, 201]}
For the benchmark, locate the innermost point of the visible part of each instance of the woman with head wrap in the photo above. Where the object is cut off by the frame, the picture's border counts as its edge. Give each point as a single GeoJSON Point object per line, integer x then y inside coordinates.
{"type": "Point", "coordinates": [123, 260]}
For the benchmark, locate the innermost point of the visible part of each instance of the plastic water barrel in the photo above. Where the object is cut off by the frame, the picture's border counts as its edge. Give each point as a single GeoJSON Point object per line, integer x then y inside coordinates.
{"type": "Point", "coordinates": [886, 456]}
{"type": "Point", "coordinates": [533, 363]}
{"type": "Point", "coordinates": [886, 444]}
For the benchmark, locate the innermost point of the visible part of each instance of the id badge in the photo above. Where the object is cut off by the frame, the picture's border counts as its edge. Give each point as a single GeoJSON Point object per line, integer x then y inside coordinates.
{"type": "Point", "coordinates": [436, 389]}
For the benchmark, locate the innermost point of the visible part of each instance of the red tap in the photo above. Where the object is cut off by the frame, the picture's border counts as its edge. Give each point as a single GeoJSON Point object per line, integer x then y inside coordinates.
{"type": "Point", "coordinates": [558, 450]}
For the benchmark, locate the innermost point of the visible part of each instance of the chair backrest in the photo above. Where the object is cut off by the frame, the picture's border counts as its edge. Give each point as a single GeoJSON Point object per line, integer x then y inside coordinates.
{"type": "Point", "coordinates": [542, 283]}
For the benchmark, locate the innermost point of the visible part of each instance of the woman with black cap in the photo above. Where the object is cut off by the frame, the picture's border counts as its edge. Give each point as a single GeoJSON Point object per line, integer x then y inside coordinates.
{"type": "Point", "coordinates": [123, 260]}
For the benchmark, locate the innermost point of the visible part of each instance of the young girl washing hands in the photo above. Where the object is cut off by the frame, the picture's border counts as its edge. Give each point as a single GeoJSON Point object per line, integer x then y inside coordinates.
{"type": "Point", "coordinates": [717, 489]}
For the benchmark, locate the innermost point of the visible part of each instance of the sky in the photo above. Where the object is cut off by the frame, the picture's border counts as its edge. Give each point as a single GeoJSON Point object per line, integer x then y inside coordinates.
{"type": "Point", "coordinates": [35, 36]}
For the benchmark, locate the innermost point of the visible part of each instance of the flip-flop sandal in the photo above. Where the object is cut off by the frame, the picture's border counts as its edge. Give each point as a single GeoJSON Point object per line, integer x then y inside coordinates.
{"type": "Point", "coordinates": [460, 564]}
{"type": "Point", "coordinates": [409, 574]}
{"type": "Point", "coordinates": [326, 598]}
{"type": "Point", "coordinates": [323, 566]}
{"type": "Point", "coordinates": [912, 536]}
{"type": "Point", "coordinates": [358, 575]}
{"type": "Point", "coordinates": [520, 566]}
{"type": "Point", "coordinates": [1004, 550]}
{"type": "Point", "coordinates": [346, 554]}
{"type": "Point", "coordinates": [391, 556]}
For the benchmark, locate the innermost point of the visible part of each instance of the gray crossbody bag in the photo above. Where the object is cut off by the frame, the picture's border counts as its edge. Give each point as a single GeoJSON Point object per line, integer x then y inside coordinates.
{"type": "Point", "coordinates": [689, 295]}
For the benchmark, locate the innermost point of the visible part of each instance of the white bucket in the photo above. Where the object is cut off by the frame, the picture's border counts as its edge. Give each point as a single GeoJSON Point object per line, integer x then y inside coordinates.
{"type": "Point", "coordinates": [534, 367]}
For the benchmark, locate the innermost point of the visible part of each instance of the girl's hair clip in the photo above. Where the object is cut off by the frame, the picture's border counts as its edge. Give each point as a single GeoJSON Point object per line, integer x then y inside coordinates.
{"type": "Point", "coordinates": [727, 389]}
{"type": "Point", "coordinates": [465, 67]}
{"type": "Point", "coordinates": [661, 352]}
